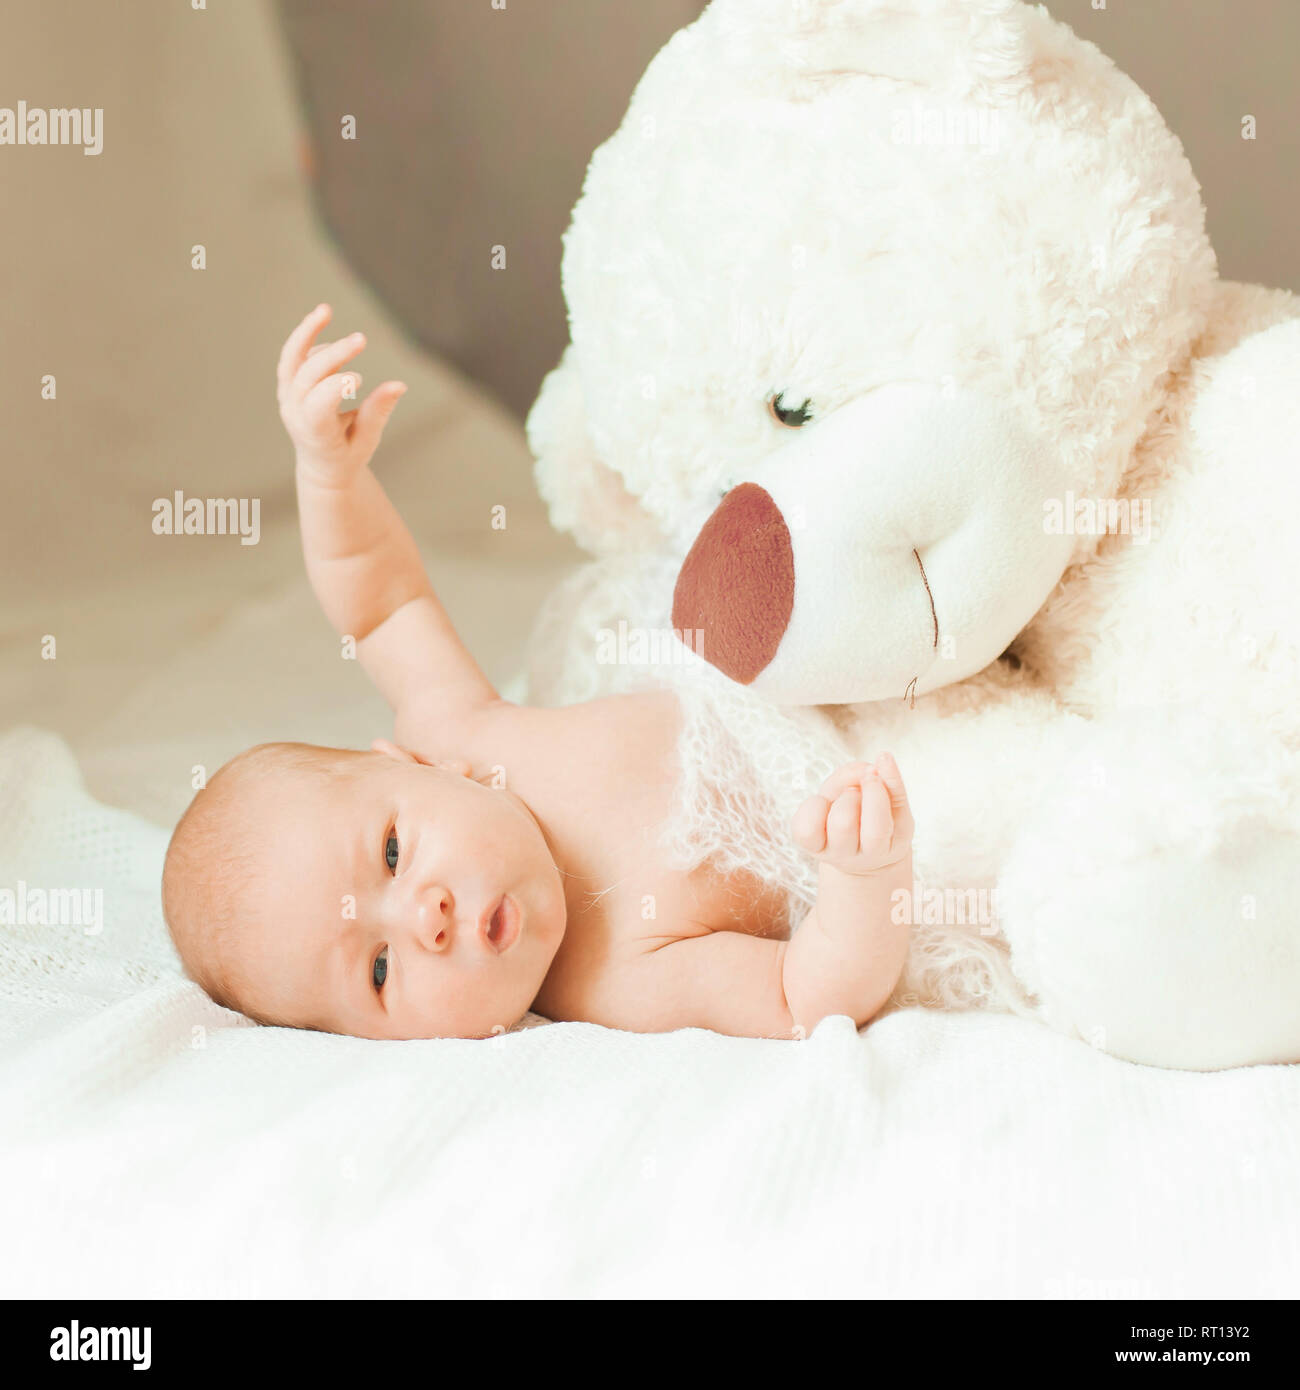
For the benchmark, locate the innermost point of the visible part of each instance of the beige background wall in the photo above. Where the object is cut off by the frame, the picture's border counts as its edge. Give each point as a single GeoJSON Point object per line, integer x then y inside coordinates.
{"type": "Point", "coordinates": [174, 651]}
{"type": "Point", "coordinates": [484, 121]}
{"type": "Point", "coordinates": [1206, 64]}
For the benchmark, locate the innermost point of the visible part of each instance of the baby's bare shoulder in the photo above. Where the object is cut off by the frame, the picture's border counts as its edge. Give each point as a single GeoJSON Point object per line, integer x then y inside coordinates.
{"type": "Point", "coordinates": [655, 713]}
{"type": "Point", "coordinates": [637, 726]}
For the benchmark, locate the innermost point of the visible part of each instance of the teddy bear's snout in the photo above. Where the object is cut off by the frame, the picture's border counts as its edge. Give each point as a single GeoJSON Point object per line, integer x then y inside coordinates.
{"type": "Point", "coordinates": [735, 589]}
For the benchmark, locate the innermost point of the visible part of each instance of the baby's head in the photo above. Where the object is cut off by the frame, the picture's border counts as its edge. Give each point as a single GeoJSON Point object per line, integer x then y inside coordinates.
{"type": "Point", "coordinates": [363, 893]}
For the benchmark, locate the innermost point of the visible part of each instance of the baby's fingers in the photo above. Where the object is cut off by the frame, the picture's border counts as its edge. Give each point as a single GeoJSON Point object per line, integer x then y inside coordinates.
{"type": "Point", "coordinates": [294, 351]}
{"type": "Point", "coordinates": [373, 415]}
{"type": "Point", "coordinates": [850, 775]}
{"type": "Point", "coordinates": [876, 825]}
{"type": "Point", "coordinates": [893, 780]}
{"type": "Point", "coordinates": [842, 822]}
{"type": "Point", "coordinates": [809, 825]}
{"type": "Point", "coordinates": [321, 407]}
{"type": "Point", "coordinates": [326, 362]}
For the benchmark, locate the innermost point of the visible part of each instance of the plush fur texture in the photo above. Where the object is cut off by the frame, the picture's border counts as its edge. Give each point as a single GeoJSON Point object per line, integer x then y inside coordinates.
{"type": "Point", "coordinates": [828, 198]}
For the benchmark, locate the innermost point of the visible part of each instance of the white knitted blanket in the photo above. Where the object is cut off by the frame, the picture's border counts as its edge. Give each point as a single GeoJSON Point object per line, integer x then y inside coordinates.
{"type": "Point", "coordinates": [154, 1144]}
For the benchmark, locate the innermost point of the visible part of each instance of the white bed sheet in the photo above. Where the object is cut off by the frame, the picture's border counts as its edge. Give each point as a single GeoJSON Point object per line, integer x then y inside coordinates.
{"type": "Point", "coordinates": [155, 1144]}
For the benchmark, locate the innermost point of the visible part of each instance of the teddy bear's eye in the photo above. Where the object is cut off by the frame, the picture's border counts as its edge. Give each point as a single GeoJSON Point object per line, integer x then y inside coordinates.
{"type": "Point", "coordinates": [792, 417]}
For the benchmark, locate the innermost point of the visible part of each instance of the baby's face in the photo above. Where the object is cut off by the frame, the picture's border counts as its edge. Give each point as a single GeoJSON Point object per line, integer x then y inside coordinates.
{"type": "Point", "coordinates": [403, 901]}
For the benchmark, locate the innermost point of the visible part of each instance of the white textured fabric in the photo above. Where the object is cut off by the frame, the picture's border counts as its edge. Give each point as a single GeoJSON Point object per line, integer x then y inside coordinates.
{"type": "Point", "coordinates": [744, 767]}
{"type": "Point", "coordinates": [154, 1144]}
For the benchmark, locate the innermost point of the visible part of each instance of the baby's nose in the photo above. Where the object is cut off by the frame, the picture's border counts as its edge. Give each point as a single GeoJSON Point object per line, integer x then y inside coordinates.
{"type": "Point", "coordinates": [434, 916]}
{"type": "Point", "coordinates": [735, 590]}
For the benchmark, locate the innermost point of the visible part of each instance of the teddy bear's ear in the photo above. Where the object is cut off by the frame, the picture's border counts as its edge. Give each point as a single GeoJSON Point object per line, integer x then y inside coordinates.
{"type": "Point", "coordinates": [938, 44]}
{"type": "Point", "coordinates": [584, 496]}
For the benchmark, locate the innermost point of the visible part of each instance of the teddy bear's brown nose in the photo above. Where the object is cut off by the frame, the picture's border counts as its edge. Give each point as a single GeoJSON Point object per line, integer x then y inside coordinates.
{"type": "Point", "coordinates": [735, 589]}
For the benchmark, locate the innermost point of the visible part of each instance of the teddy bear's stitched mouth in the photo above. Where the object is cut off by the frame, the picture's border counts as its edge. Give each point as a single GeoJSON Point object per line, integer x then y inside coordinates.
{"type": "Point", "coordinates": [909, 695]}
{"type": "Point", "coordinates": [930, 595]}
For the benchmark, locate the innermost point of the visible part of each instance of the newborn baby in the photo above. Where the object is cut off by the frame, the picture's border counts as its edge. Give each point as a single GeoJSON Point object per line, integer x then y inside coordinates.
{"type": "Point", "coordinates": [496, 858]}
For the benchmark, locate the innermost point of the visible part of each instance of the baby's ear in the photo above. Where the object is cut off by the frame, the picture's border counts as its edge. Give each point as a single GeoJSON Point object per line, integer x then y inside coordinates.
{"type": "Point", "coordinates": [391, 750]}
{"type": "Point", "coordinates": [456, 766]}
{"type": "Point", "coordinates": [402, 755]}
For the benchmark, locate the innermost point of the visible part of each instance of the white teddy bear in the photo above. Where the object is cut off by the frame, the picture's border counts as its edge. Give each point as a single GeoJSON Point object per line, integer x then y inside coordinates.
{"type": "Point", "coordinates": [902, 381]}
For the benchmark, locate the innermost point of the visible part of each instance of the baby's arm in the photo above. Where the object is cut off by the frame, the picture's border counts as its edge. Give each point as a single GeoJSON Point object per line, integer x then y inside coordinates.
{"type": "Point", "coordinates": [850, 950]}
{"type": "Point", "coordinates": [845, 958]}
{"type": "Point", "coordinates": [363, 563]}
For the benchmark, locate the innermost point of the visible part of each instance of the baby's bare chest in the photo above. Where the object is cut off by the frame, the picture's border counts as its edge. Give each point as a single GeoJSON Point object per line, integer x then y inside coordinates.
{"type": "Point", "coordinates": [646, 899]}
{"type": "Point", "coordinates": [642, 905]}
{"type": "Point", "coordinates": [633, 897]}
{"type": "Point", "coordinates": [634, 800]}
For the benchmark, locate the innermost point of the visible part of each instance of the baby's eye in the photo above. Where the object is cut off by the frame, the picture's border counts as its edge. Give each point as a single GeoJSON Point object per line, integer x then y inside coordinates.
{"type": "Point", "coordinates": [391, 852]}
{"type": "Point", "coordinates": [379, 971]}
{"type": "Point", "coordinates": [791, 416]}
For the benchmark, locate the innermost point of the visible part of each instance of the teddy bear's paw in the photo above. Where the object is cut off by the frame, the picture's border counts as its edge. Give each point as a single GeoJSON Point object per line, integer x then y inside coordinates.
{"type": "Point", "coordinates": [1153, 905]}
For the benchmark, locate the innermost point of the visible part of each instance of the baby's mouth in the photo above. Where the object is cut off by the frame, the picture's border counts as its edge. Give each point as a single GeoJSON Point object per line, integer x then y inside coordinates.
{"type": "Point", "coordinates": [500, 927]}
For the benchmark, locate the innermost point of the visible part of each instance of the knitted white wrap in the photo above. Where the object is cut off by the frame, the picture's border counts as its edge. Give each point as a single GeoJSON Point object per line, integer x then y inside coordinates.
{"type": "Point", "coordinates": [744, 766]}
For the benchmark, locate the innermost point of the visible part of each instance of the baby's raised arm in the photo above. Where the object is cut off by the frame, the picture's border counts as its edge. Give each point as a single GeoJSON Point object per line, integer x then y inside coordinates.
{"type": "Point", "coordinates": [363, 563]}
{"type": "Point", "coordinates": [845, 958]}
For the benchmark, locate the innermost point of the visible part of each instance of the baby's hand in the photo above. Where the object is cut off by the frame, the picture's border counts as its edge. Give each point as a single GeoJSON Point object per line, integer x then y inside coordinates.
{"type": "Point", "coordinates": [859, 822]}
{"type": "Point", "coordinates": [332, 447]}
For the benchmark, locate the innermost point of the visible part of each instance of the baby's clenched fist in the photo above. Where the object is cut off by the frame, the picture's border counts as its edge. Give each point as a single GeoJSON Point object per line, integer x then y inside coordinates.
{"type": "Point", "coordinates": [859, 822]}
{"type": "Point", "coordinates": [332, 446]}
